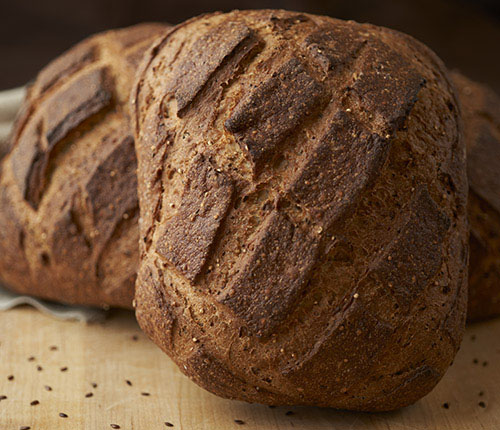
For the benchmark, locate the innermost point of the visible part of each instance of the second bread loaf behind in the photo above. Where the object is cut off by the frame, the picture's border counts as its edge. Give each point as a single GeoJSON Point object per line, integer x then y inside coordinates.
{"type": "Point", "coordinates": [68, 189]}
{"type": "Point", "coordinates": [481, 113]}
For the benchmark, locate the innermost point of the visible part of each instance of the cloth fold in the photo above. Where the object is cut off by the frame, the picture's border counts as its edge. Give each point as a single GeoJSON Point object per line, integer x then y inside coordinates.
{"type": "Point", "coordinates": [10, 300]}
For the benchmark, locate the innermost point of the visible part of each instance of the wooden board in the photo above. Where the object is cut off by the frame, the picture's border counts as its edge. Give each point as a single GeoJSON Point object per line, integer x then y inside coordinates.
{"type": "Point", "coordinates": [113, 352]}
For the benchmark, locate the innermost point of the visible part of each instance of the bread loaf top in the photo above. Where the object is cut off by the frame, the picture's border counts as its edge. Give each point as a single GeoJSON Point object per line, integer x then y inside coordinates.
{"type": "Point", "coordinates": [68, 199]}
{"type": "Point", "coordinates": [481, 113]}
{"type": "Point", "coordinates": [302, 190]}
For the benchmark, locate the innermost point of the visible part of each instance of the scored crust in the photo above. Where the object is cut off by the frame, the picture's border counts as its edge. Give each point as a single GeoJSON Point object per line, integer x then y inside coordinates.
{"type": "Point", "coordinates": [481, 115]}
{"type": "Point", "coordinates": [68, 199]}
{"type": "Point", "coordinates": [303, 193]}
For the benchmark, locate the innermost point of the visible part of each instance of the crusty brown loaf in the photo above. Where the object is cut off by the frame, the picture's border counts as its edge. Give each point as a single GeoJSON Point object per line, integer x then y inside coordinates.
{"type": "Point", "coordinates": [481, 114]}
{"type": "Point", "coordinates": [303, 209]}
{"type": "Point", "coordinates": [68, 199]}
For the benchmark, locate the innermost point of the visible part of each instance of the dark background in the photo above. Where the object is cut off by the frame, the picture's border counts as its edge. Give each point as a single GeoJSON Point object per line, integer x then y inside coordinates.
{"type": "Point", "coordinates": [465, 33]}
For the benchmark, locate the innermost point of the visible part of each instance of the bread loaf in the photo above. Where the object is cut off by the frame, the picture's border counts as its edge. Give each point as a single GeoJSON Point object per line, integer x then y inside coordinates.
{"type": "Point", "coordinates": [481, 114]}
{"type": "Point", "coordinates": [303, 209]}
{"type": "Point", "coordinates": [68, 199]}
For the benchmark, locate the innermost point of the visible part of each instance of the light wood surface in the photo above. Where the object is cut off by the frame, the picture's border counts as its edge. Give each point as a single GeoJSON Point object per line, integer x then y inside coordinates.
{"type": "Point", "coordinates": [115, 351]}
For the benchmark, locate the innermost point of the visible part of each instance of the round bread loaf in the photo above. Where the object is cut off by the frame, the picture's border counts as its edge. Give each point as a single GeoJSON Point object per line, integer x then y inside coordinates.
{"type": "Point", "coordinates": [68, 199]}
{"type": "Point", "coordinates": [303, 230]}
{"type": "Point", "coordinates": [481, 115]}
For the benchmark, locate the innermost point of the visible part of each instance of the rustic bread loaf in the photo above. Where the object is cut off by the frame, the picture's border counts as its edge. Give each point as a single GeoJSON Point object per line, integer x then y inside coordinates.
{"type": "Point", "coordinates": [481, 114]}
{"type": "Point", "coordinates": [303, 226]}
{"type": "Point", "coordinates": [68, 199]}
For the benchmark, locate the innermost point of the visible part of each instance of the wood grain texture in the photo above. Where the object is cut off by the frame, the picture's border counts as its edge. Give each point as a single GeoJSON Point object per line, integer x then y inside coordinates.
{"type": "Point", "coordinates": [108, 355]}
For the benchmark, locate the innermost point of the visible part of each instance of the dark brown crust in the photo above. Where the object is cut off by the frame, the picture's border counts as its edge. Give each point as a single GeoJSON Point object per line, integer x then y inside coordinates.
{"type": "Point", "coordinates": [165, 307]}
{"type": "Point", "coordinates": [334, 47]}
{"type": "Point", "coordinates": [481, 111]}
{"type": "Point", "coordinates": [190, 233]}
{"type": "Point", "coordinates": [388, 100]}
{"type": "Point", "coordinates": [208, 53]}
{"type": "Point", "coordinates": [69, 184]}
{"type": "Point", "coordinates": [273, 110]}
{"type": "Point", "coordinates": [214, 376]}
{"type": "Point", "coordinates": [336, 276]}
{"type": "Point", "coordinates": [104, 187]}
{"type": "Point", "coordinates": [86, 96]}
{"type": "Point", "coordinates": [261, 295]}
{"type": "Point", "coordinates": [416, 248]}
{"type": "Point", "coordinates": [338, 169]}
{"type": "Point", "coordinates": [66, 65]}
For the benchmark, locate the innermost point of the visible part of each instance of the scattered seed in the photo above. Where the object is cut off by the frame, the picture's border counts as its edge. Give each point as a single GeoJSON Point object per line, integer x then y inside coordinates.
{"type": "Point", "coordinates": [114, 426]}
{"type": "Point", "coordinates": [168, 424]}
{"type": "Point", "coordinates": [2, 397]}
{"type": "Point", "coordinates": [289, 413]}
{"type": "Point", "coordinates": [482, 404]}
{"type": "Point", "coordinates": [24, 428]}
{"type": "Point", "coordinates": [31, 358]}
{"type": "Point", "coordinates": [145, 394]}
{"type": "Point", "coordinates": [34, 403]}
{"type": "Point", "coordinates": [10, 377]}
{"type": "Point", "coordinates": [239, 422]}
{"type": "Point", "coordinates": [128, 382]}
{"type": "Point", "coordinates": [481, 393]}
{"type": "Point", "coordinates": [485, 363]}
{"type": "Point", "coordinates": [135, 337]}
{"type": "Point", "coordinates": [53, 348]}
{"type": "Point", "coordinates": [272, 407]}
{"type": "Point", "coordinates": [48, 388]}
{"type": "Point", "coordinates": [89, 395]}
{"type": "Point", "coordinates": [475, 361]}
{"type": "Point", "coordinates": [473, 337]}
{"type": "Point", "coordinates": [39, 368]}
{"type": "Point", "coordinates": [94, 385]}
{"type": "Point", "coordinates": [63, 415]}
{"type": "Point", "coordinates": [446, 406]}
{"type": "Point", "coordinates": [64, 369]}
